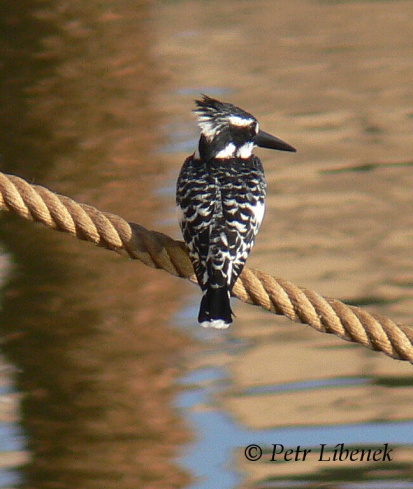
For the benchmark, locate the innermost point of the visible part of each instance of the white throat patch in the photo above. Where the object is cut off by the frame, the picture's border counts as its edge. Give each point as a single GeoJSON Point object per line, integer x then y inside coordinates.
{"type": "Point", "coordinates": [227, 152]}
{"type": "Point", "coordinates": [231, 151]}
{"type": "Point", "coordinates": [245, 151]}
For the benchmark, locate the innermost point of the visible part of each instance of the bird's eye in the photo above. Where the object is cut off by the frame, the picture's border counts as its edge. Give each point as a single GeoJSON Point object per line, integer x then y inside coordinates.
{"type": "Point", "coordinates": [254, 128]}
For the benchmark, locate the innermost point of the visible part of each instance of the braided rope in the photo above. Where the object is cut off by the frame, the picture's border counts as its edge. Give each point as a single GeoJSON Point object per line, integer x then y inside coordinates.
{"type": "Point", "coordinates": [37, 203]}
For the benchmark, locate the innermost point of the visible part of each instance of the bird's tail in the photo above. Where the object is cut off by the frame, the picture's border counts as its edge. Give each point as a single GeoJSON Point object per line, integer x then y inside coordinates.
{"type": "Point", "coordinates": [215, 310]}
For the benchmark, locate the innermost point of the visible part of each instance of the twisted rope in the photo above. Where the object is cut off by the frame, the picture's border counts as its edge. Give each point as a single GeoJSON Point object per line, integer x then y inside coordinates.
{"type": "Point", "coordinates": [37, 203]}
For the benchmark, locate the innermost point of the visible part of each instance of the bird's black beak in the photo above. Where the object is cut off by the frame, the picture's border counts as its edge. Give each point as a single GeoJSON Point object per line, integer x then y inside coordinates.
{"type": "Point", "coordinates": [265, 140]}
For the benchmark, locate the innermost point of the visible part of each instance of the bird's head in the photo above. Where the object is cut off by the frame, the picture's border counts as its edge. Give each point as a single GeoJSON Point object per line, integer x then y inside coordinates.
{"type": "Point", "coordinates": [230, 132]}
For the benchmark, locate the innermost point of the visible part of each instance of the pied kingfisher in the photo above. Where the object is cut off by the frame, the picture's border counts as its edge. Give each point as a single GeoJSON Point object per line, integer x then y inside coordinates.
{"type": "Point", "coordinates": [220, 197]}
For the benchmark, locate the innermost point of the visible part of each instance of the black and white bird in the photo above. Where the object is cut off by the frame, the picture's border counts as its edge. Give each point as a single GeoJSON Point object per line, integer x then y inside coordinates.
{"type": "Point", "coordinates": [220, 197]}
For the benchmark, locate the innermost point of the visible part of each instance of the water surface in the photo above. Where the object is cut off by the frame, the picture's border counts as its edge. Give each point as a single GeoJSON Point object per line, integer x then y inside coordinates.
{"type": "Point", "coordinates": [110, 381]}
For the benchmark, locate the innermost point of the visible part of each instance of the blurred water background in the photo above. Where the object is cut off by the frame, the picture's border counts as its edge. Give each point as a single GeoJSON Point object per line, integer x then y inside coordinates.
{"type": "Point", "coordinates": [106, 379]}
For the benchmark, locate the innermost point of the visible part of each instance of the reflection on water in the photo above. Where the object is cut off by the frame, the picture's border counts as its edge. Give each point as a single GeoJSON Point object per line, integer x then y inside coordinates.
{"type": "Point", "coordinates": [84, 327]}
{"type": "Point", "coordinates": [12, 439]}
{"type": "Point", "coordinates": [342, 93]}
{"type": "Point", "coordinates": [284, 413]}
{"type": "Point", "coordinates": [97, 100]}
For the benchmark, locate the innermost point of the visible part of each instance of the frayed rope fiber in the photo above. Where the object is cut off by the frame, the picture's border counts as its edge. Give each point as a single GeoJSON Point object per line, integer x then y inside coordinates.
{"type": "Point", "coordinates": [37, 203]}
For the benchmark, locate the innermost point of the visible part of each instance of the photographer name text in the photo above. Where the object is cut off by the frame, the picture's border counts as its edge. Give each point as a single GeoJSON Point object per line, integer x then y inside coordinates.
{"type": "Point", "coordinates": [326, 453]}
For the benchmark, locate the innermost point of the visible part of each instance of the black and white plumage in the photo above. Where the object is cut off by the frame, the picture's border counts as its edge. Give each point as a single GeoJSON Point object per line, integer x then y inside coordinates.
{"type": "Point", "coordinates": [220, 197]}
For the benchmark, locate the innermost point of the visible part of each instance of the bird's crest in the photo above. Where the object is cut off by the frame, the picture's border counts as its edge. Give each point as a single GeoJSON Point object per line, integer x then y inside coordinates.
{"type": "Point", "coordinates": [215, 116]}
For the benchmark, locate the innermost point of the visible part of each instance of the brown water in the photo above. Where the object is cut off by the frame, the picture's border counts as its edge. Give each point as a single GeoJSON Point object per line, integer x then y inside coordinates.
{"type": "Point", "coordinates": [96, 101]}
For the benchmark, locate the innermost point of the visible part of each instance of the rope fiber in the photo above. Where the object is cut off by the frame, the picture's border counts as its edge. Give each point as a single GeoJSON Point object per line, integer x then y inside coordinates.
{"type": "Point", "coordinates": [154, 249]}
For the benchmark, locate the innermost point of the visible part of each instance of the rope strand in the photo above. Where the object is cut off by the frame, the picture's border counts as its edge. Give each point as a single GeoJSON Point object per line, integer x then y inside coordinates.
{"type": "Point", "coordinates": [157, 250]}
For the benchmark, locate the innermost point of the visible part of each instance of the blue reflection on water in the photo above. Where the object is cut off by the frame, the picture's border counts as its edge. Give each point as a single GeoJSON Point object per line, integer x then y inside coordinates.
{"type": "Point", "coordinates": [11, 437]}
{"type": "Point", "coordinates": [9, 478]}
{"type": "Point", "coordinates": [305, 385]}
{"type": "Point", "coordinates": [12, 440]}
{"type": "Point", "coordinates": [218, 436]}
